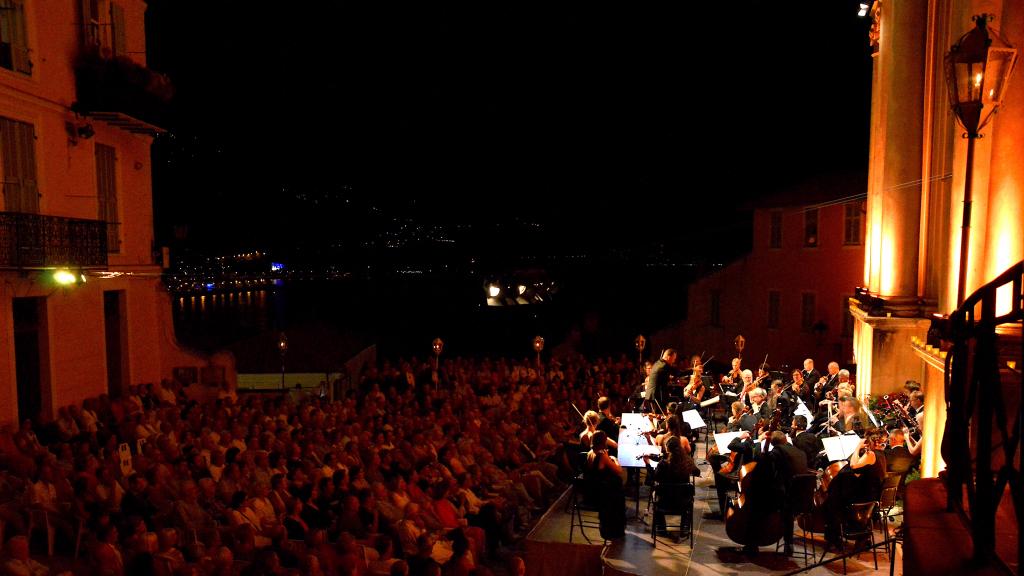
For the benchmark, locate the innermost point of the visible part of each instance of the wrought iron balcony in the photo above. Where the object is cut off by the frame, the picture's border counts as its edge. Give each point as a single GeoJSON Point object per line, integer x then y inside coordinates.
{"type": "Point", "coordinates": [121, 92]}
{"type": "Point", "coordinates": [37, 241]}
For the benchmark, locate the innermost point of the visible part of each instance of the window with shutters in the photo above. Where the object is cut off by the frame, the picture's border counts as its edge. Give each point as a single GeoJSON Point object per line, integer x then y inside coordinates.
{"type": "Point", "coordinates": [18, 155]}
{"type": "Point", "coordinates": [14, 49]}
{"type": "Point", "coordinates": [91, 23]}
{"type": "Point", "coordinates": [811, 228]}
{"type": "Point", "coordinates": [118, 41]}
{"type": "Point", "coordinates": [106, 192]}
{"type": "Point", "coordinates": [851, 224]}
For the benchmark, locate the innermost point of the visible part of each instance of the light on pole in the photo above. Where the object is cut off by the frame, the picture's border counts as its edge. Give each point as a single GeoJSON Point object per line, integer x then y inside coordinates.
{"type": "Point", "coordinates": [538, 346]}
{"type": "Point", "coordinates": [282, 347]}
{"type": "Point", "coordinates": [977, 73]}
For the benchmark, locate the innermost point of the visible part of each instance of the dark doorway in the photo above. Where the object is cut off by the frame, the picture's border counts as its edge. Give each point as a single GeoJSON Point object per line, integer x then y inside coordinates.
{"type": "Point", "coordinates": [113, 325]}
{"type": "Point", "coordinates": [30, 355]}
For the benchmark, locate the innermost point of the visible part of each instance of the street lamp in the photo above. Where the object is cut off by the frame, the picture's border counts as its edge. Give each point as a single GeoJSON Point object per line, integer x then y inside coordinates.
{"type": "Point", "coordinates": [977, 73]}
{"type": "Point", "coordinates": [282, 347]}
{"type": "Point", "coordinates": [538, 345]}
{"type": "Point", "coordinates": [438, 345]}
{"type": "Point", "coordinates": [640, 343]}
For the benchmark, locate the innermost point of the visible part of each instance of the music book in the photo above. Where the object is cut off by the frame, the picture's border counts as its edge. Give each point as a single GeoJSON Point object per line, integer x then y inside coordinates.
{"type": "Point", "coordinates": [840, 447]}
{"type": "Point", "coordinates": [693, 418]}
{"type": "Point", "coordinates": [710, 401]}
{"type": "Point", "coordinates": [722, 440]}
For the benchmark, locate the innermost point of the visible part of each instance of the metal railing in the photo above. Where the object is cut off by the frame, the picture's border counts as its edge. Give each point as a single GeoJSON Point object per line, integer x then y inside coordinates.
{"type": "Point", "coordinates": [40, 241]}
{"type": "Point", "coordinates": [984, 401]}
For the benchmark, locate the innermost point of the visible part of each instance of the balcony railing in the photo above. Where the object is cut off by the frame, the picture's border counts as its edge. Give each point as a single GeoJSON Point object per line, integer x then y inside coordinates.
{"type": "Point", "coordinates": [121, 92]}
{"type": "Point", "coordinates": [38, 241]}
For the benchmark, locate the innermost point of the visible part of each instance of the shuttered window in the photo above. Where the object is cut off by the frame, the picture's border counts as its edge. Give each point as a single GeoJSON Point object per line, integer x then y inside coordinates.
{"type": "Point", "coordinates": [18, 154]}
{"type": "Point", "coordinates": [774, 304]}
{"type": "Point", "coordinates": [808, 311]}
{"type": "Point", "coordinates": [13, 38]}
{"type": "Point", "coordinates": [90, 10]}
{"type": "Point", "coordinates": [117, 31]}
{"type": "Point", "coordinates": [106, 193]}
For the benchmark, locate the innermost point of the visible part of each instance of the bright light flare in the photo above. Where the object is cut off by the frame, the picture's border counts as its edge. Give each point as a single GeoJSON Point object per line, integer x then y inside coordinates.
{"type": "Point", "coordinates": [64, 278]}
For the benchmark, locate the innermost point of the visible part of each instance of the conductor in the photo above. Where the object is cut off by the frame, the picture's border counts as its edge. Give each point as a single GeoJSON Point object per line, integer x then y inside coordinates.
{"type": "Point", "coordinates": [657, 383]}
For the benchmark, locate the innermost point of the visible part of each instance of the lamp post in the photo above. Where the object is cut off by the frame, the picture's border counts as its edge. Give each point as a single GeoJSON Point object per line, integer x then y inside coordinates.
{"type": "Point", "coordinates": [438, 346]}
{"type": "Point", "coordinates": [977, 73]}
{"type": "Point", "coordinates": [538, 346]}
{"type": "Point", "coordinates": [282, 347]}
{"type": "Point", "coordinates": [640, 343]}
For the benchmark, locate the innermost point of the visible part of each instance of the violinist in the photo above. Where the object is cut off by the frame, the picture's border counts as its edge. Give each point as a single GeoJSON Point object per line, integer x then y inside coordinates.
{"type": "Point", "coordinates": [734, 378]}
{"type": "Point", "coordinates": [591, 420]}
{"type": "Point", "coordinates": [695, 390]}
{"type": "Point", "coordinates": [859, 481]}
{"type": "Point", "coordinates": [609, 423]}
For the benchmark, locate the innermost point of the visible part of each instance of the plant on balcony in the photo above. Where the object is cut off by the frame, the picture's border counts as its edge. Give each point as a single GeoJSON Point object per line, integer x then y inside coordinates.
{"type": "Point", "coordinates": [119, 84]}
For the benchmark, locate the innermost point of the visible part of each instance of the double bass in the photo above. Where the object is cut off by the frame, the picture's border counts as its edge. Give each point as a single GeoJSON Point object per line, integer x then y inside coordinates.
{"type": "Point", "coordinates": [741, 516]}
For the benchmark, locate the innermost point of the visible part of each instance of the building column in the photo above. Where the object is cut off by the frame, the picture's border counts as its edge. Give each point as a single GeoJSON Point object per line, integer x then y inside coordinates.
{"type": "Point", "coordinates": [901, 59]}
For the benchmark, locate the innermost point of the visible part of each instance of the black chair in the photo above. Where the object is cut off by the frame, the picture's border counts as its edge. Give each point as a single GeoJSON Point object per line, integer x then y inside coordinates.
{"type": "Point", "coordinates": [857, 523]}
{"type": "Point", "coordinates": [886, 504]}
{"type": "Point", "coordinates": [673, 499]}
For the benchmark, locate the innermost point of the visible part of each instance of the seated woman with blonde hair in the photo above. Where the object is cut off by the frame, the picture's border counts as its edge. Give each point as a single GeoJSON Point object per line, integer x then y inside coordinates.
{"type": "Point", "coordinates": [591, 419]}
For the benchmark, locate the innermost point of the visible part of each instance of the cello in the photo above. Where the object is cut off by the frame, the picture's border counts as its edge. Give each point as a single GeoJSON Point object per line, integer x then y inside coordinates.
{"type": "Point", "coordinates": [743, 514]}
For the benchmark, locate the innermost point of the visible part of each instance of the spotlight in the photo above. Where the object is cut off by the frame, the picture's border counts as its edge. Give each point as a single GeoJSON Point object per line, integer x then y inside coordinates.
{"type": "Point", "coordinates": [493, 291]}
{"type": "Point", "coordinates": [522, 289]}
{"type": "Point", "coordinates": [64, 278]}
{"type": "Point", "coordinates": [863, 10]}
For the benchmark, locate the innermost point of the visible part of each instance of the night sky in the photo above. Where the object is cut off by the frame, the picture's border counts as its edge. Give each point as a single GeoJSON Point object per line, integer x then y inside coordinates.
{"type": "Point", "coordinates": [601, 123]}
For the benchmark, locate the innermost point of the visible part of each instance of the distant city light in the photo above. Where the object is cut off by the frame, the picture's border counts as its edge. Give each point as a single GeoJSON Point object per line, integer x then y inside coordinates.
{"type": "Point", "coordinates": [209, 286]}
{"type": "Point", "coordinates": [276, 266]}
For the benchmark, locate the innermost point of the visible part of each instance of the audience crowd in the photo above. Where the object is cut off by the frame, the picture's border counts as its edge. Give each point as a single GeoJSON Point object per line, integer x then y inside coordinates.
{"type": "Point", "coordinates": [416, 471]}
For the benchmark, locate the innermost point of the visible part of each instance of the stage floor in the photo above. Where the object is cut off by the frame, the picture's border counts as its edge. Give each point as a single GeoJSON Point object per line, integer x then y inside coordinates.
{"type": "Point", "coordinates": [713, 552]}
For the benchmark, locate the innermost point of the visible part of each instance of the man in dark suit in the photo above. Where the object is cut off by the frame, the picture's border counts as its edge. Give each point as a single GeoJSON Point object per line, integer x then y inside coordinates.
{"type": "Point", "coordinates": [657, 382]}
{"type": "Point", "coordinates": [806, 441]}
{"type": "Point", "coordinates": [784, 462]}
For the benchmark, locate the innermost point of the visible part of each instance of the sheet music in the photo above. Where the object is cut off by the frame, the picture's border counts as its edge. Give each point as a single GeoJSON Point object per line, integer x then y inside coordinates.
{"type": "Point", "coordinates": [803, 410]}
{"type": "Point", "coordinates": [840, 447]}
{"type": "Point", "coordinates": [710, 401]}
{"type": "Point", "coordinates": [722, 440]}
{"type": "Point", "coordinates": [692, 417]}
{"type": "Point", "coordinates": [632, 443]}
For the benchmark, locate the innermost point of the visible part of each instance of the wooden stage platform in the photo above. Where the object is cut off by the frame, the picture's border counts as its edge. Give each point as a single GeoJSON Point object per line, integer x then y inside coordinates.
{"type": "Point", "coordinates": [549, 553]}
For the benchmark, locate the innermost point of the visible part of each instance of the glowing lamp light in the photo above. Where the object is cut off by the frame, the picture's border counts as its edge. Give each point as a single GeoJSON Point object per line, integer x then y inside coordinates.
{"type": "Point", "coordinates": [863, 10]}
{"type": "Point", "coordinates": [64, 278]}
{"type": "Point", "coordinates": [522, 289]}
{"type": "Point", "coordinates": [493, 291]}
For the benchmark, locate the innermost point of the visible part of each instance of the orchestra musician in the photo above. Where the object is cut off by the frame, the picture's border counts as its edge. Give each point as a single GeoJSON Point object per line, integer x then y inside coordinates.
{"type": "Point", "coordinates": [759, 403]}
{"type": "Point", "coordinates": [806, 441]}
{"type": "Point", "coordinates": [859, 481]}
{"type": "Point", "coordinates": [851, 416]}
{"type": "Point", "coordinates": [827, 383]}
{"type": "Point", "coordinates": [695, 390]}
{"type": "Point", "coordinates": [741, 420]}
{"type": "Point", "coordinates": [657, 382]}
{"type": "Point", "coordinates": [609, 423]}
{"type": "Point", "coordinates": [732, 380]}
{"type": "Point", "coordinates": [809, 374]}
{"type": "Point", "coordinates": [591, 420]}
